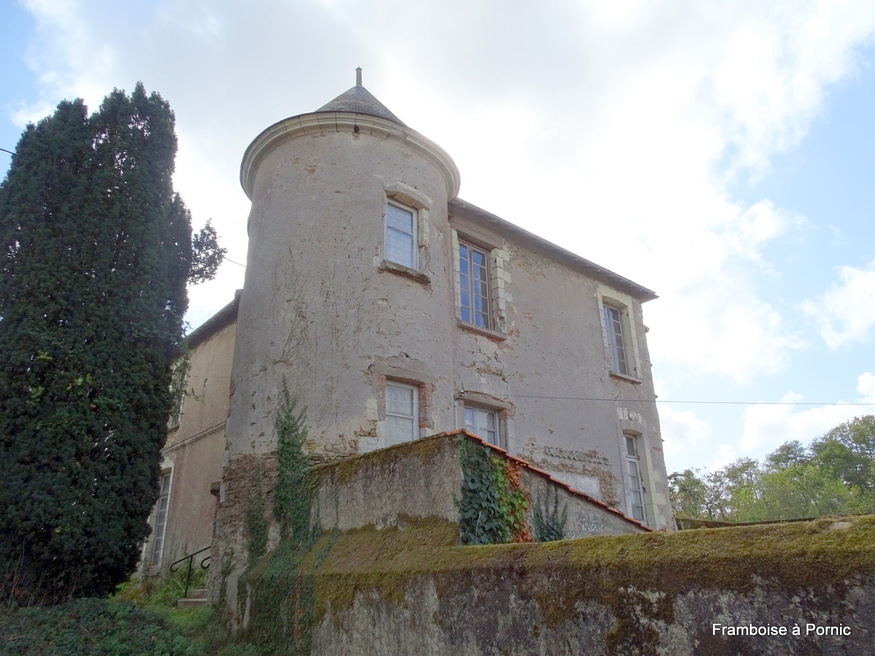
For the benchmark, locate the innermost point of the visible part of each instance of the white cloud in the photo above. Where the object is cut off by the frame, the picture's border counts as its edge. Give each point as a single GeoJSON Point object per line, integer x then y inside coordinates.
{"type": "Point", "coordinates": [866, 390]}
{"type": "Point", "coordinates": [766, 427]}
{"type": "Point", "coordinates": [726, 453]}
{"type": "Point", "coordinates": [610, 130]}
{"type": "Point", "coordinates": [717, 325]}
{"type": "Point", "coordinates": [682, 431]}
{"type": "Point", "coordinates": [846, 312]}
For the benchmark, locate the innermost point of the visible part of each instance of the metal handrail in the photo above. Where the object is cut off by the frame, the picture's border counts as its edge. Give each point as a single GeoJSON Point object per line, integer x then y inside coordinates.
{"type": "Point", "coordinates": [190, 558]}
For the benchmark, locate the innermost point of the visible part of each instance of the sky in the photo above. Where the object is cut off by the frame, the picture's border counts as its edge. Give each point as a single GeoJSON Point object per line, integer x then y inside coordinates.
{"type": "Point", "coordinates": [719, 153]}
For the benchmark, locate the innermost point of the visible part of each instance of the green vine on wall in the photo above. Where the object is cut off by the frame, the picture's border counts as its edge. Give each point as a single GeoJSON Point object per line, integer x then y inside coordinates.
{"type": "Point", "coordinates": [548, 520]}
{"type": "Point", "coordinates": [493, 506]}
{"type": "Point", "coordinates": [294, 487]}
{"type": "Point", "coordinates": [283, 611]}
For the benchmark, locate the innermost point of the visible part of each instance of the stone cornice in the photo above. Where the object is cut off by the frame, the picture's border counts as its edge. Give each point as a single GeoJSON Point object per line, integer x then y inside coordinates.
{"type": "Point", "coordinates": [322, 122]}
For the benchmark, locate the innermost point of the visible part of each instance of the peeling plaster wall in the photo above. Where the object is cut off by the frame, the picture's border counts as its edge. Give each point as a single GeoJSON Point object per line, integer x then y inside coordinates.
{"type": "Point", "coordinates": [567, 411]}
{"type": "Point", "coordinates": [325, 312]}
{"type": "Point", "coordinates": [319, 308]}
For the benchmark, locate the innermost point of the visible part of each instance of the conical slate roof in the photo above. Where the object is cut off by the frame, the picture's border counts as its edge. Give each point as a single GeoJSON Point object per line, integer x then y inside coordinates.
{"type": "Point", "coordinates": [359, 100]}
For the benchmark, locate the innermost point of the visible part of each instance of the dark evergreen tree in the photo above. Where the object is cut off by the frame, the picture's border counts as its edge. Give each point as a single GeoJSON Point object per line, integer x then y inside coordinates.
{"type": "Point", "coordinates": [96, 253]}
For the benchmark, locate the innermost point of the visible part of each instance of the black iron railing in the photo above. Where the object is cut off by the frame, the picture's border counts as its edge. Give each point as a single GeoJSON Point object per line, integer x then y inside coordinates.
{"type": "Point", "coordinates": [205, 563]}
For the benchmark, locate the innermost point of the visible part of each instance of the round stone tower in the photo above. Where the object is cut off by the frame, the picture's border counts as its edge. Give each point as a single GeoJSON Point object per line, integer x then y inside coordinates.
{"type": "Point", "coordinates": [348, 278]}
{"type": "Point", "coordinates": [348, 298]}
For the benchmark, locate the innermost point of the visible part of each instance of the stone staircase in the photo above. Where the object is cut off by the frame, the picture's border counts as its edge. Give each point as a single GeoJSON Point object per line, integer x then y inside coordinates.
{"type": "Point", "coordinates": [196, 597]}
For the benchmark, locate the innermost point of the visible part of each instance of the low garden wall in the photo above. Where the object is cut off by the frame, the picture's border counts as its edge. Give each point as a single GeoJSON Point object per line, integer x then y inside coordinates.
{"type": "Point", "coordinates": [801, 588]}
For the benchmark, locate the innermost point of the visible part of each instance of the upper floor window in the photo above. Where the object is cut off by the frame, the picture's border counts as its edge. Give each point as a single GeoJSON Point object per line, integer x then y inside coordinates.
{"type": "Point", "coordinates": [615, 334]}
{"type": "Point", "coordinates": [474, 302]}
{"type": "Point", "coordinates": [402, 413]}
{"type": "Point", "coordinates": [401, 239]}
{"type": "Point", "coordinates": [483, 423]}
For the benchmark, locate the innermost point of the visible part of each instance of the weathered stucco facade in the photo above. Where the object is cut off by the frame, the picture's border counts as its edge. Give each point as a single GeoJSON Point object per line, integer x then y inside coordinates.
{"type": "Point", "coordinates": [393, 310]}
{"type": "Point", "coordinates": [330, 307]}
{"type": "Point", "coordinates": [191, 468]}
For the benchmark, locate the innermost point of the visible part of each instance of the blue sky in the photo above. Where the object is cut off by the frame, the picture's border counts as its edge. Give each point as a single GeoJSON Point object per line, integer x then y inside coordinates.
{"type": "Point", "coordinates": [719, 153]}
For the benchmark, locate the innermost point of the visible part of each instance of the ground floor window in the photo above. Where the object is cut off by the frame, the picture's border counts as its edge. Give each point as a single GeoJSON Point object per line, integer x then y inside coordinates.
{"type": "Point", "coordinates": [160, 520]}
{"type": "Point", "coordinates": [483, 423]}
{"type": "Point", "coordinates": [402, 413]}
{"type": "Point", "coordinates": [634, 480]}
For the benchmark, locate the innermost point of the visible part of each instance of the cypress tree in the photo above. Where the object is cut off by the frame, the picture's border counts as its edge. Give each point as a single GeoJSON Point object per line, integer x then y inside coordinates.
{"type": "Point", "coordinates": [96, 253]}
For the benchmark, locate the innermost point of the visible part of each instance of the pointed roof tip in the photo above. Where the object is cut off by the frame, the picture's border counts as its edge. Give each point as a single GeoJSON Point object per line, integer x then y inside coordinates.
{"type": "Point", "coordinates": [359, 100]}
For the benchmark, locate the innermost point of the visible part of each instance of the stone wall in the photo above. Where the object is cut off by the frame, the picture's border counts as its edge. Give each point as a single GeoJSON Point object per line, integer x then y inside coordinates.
{"type": "Point", "coordinates": [804, 588]}
{"type": "Point", "coordinates": [422, 480]}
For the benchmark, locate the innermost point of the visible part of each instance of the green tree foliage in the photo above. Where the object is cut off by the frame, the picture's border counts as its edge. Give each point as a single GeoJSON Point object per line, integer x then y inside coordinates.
{"type": "Point", "coordinates": [688, 494]}
{"type": "Point", "coordinates": [95, 254]}
{"type": "Point", "coordinates": [848, 451]}
{"type": "Point", "coordinates": [834, 475]}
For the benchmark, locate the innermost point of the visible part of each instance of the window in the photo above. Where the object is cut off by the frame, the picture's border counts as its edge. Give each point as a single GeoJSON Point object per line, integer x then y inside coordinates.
{"type": "Point", "coordinates": [402, 413]}
{"type": "Point", "coordinates": [483, 423]}
{"type": "Point", "coordinates": [634, 482]}
{"type": "Point", "coordinates": [160, 520]}
{"type": "Point", "coordinates": [401, 235]}
{"type": "Point", "coordinates": [474, 285]}
{"type": "Point", "coordinates": [616, 341]}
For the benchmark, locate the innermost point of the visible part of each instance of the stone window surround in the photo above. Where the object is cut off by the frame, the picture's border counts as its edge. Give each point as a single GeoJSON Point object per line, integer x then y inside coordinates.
{"type": "Point", "coordinates": [504, 412]}
{"type": "Point", "coordinates": [625, 304]}
{"type": "Point", "coordinates": [499, 277]}
{"type": "Point", "coordinates": [384, 373]}
{"type": "Point", "coordinates": [408, 197]}
{"type": "Point", "coordinates": [642, 472]}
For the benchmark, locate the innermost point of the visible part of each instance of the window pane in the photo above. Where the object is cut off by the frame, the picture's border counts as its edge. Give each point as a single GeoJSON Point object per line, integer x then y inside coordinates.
{"type": "Point", "coordinates": [399, 400]}
{"type": "Point", "coordinates": [398, 217]}
{"type": "Point", "coordinates": [401, 414]}
{"type": "Point", "coordinates": [634, 482]}
{"type": "Point", "coordinates": [400, 236]}
{"type": "Point", "coordinates": [474, 285]}
{"type": "Point", "coordinates": [398, 430]}
{"type": "Point", "coordinates": [483, 423]}
{"type": "Point", "coordinates": [470, 420]}
{"type": "Point", "coordinates": [160, 520]}
{"type": "Point", "coordinates": [613, 320]}
{"type": "Point", "coordinates": [399, 247]}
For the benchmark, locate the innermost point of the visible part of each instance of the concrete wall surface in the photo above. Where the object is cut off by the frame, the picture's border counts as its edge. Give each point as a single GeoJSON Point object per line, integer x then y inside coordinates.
{"type": "Point", "coordinates": [422, 480]}
{"type": "Point", "coordinates": [803, 588]}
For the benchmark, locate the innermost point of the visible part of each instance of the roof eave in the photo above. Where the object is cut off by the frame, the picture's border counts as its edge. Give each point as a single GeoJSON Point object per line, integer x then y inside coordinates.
{"type": "Point", "coordinates": [591, 268]}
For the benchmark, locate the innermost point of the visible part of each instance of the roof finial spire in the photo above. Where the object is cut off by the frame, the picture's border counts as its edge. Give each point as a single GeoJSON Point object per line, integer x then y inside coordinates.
{"type": "Point", "coordinates": [358, 76]}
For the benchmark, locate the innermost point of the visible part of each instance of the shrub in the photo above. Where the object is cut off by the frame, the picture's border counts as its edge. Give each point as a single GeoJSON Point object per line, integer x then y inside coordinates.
{"type": "Point", "coordinates": [91, 627]}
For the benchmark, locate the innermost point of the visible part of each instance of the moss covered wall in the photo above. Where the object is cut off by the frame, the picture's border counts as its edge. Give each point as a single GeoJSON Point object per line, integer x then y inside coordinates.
{"type": "Point", "coordinates": [423, 479]}
{"type": "Point", "coordinates": [411, 591]}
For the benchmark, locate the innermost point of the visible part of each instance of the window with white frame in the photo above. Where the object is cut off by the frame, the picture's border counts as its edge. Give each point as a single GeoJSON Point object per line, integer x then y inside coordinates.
{"type": "Point", "coordinates": [483, 423]}
{"type": "Point", "coordinates": [160, 526]}
{"type": "Point", "coordinates": [474, 302]}
{"type": "Point", "coordinates": [402, 413]}
{"type": "Point", "coordinates": [634, 480]}
{"type": "Point", "coordinates": [401, 240]}
{"type": "Point", "coordinates": [615, 334]}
